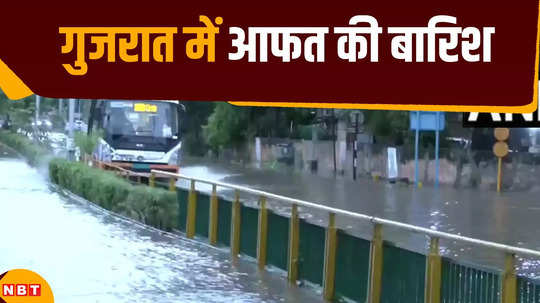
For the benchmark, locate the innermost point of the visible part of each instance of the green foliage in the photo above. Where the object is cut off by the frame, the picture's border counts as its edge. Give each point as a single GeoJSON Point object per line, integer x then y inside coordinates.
{"type": "Point", "coordinates": [152, 206]}
{"type": "Point", "coordinates": [392, 127]}
{"type": "Point", "coordinates": [86, 143]}
{"type": "Point", "coordinates": [196, 116]}
{"type": "Point", "coordinates": [230, 126]}
{"type": "Point", "coordinates": [34, 153]}
{"type": "Point", "coordinates": [21, 112]}
{"type": "Point", "coordinates": [388, 126]}
{"type": "Point", "coordinates": [306, 132]}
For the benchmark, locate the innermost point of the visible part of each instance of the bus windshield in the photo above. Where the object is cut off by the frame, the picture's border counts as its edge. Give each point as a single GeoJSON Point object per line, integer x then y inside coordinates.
{"type": "Point", "coordinates": [146, 119]}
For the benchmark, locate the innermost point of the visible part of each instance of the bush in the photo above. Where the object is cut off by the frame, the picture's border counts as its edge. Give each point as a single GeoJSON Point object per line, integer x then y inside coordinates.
{"type": "Point", "coordinates": [35, 154]}
{"type": "Point", "coordinates": [86, 143]}
{"type": "Point", "coordinates": [152, 206]}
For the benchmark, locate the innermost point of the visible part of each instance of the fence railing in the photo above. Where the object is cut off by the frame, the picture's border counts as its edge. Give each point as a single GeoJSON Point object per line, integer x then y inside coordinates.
{"type": "Point", "coordinates": [507, 290]}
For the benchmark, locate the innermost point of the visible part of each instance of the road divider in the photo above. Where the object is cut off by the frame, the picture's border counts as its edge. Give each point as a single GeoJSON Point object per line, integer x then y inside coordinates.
{"type": "Point", "coordinates": [153, 206]}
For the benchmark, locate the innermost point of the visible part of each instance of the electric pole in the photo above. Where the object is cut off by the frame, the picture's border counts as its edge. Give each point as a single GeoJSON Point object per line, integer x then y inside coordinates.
{"type": "Point", "coordinates": [38, 101]}
{"type": "Point", "coordinates": [355, 147]}
{"type": "Point", "coordinates": [333, 119]}
{"type": "Point", "coordinates": [71, 115]}
{"type": "Point", "coordinates": [69, 141]}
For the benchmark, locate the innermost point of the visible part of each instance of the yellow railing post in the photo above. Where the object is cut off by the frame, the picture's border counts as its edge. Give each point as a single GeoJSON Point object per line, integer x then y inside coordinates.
{"type": "Point", "coordinates": [509, 280]}
{"type": "Point", "coordinates": [152, 180]}
{"type": "Point", "coordinates": [235, 225]}
{"type": "Point", "coordinates": [330, 248]}
{"type": "Point", "coordinates": [213, 224]}
{"type": "Point", "coordinates": [294, 239]}
{"type": "Point", "coordinates": [262, 233]}
{"type": "Point", "coordinates": [433, 273]}
{"type": "Point", "coordinates": [376, 264]}
{"type": "Point", "coordinates": [172, 184]}
{"type": "Point", "coordinates": [192, 211]}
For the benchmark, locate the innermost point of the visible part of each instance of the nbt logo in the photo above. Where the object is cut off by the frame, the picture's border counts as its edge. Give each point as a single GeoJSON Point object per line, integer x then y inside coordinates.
{"type": "Point", "coordinates": [24, 286]}
{"type": "Point", "coordinates": [21, 290]}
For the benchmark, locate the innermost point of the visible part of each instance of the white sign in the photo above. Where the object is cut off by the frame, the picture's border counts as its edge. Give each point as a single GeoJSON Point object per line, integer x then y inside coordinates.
{"type": "Point", "coordinates": [392, 165]}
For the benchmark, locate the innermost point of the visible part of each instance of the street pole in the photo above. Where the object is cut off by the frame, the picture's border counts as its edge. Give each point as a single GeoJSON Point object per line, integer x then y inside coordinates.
{"type": "Point", "coordinates": [499, 174]}
{"type": "Point", "coordinates": [314, 155]}
{"type": "Point", "coordinates": [355, 147]}
{"type": "Point", "coordinates": [334, 139]}
{"type": "Point", "coordinates": [416, 139]}
{"type": "Point", "coordinates": [71, 113]}
{"type": "Point", "coordinates": [38, 101]}
{"type": "Point", "coordinates": [437, 151]}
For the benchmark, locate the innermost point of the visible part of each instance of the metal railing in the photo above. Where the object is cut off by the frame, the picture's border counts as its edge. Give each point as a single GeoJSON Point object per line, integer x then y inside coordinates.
{"type": "Point", "coordinates": [433, 273]}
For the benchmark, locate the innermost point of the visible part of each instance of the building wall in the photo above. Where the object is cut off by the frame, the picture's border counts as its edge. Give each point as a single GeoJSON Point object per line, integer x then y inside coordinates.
{"type": "Point", "coordinates": [520, 171]}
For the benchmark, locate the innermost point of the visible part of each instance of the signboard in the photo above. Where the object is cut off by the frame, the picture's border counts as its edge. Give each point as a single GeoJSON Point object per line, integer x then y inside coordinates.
{"type": "Point", "coordinates": [428, 121]}
{"type": "Point", "coordinates": [143, 107]}
{"type": "Point", "coordinates": [501, 134]}
{"type": "Point", "coordinates": [500, 149]}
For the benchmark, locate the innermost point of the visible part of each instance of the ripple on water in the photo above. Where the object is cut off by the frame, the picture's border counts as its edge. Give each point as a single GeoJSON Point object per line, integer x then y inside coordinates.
{"type": "Point", "coordinates": [90, 255]}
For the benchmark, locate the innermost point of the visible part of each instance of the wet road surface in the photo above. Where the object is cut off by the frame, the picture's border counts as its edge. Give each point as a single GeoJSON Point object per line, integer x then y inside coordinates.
{"type": "Point", "coordinates": [510, 218]}
{"type": "Point", "coordinates": [89, 255]}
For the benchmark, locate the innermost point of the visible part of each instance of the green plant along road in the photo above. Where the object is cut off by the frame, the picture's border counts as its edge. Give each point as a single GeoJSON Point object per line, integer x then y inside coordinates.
{"type": "Point", "coordinates": [152, 206]}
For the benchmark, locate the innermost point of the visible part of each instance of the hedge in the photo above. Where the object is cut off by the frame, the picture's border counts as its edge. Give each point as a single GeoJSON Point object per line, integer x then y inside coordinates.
{"type": "Point", "coordinates": [152, 206]}
{"type": "Point", "coordinates": [34, 154]}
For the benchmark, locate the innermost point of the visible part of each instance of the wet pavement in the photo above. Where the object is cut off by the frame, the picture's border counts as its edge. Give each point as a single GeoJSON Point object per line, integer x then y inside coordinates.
{"type": "Point", "coordinates": [510, 218]}
{"type": "Point", "coordinates": [90, 255]}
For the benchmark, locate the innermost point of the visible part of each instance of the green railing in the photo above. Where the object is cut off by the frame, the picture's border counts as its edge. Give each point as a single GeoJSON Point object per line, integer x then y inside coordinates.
{"type": "Point", "coordinates": [528, 290]}
{"type": "Point", "coordinates": [346, 266]}
{"type": "Point", "coordinates": [463, 283]}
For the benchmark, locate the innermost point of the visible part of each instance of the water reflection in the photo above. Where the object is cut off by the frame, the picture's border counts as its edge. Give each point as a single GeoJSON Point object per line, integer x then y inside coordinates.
{"type": "Point", "coordinates": [89, 255]}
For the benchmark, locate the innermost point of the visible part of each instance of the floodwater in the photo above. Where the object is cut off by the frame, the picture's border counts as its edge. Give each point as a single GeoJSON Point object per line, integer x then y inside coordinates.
{"type": "Point", "coordinates": [510, 218]}
{"type": "Point", "coordinates": [90, 255]}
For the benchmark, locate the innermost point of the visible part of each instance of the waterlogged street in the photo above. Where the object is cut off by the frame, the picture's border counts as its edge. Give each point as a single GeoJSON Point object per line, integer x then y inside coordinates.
{"type": "Point", "coordinates": [510, 218]}
{"type": "Point", "coordinates": [89, 255]}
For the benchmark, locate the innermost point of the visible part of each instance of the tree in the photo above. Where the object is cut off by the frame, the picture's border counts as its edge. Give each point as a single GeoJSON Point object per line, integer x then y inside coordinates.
{"type": "Point", "coordinates": [390, 127]}
{"type": "Point", "coordinates": [196, 116]}
{"type": "Point", "coordinates": [20, 112]}
{"type": "Point", "coordinates": [228, 126]}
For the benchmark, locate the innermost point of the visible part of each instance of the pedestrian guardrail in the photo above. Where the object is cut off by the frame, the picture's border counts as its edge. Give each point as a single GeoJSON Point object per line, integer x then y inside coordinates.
{"type": "Point", "coordinates": [367, 271]}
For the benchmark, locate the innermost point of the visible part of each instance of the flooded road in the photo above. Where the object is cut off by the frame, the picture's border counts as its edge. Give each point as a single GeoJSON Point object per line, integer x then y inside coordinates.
{"type": "Point", "coordinates": [510, 218]}
{"type": "Point", "coordinates": [90, 255]}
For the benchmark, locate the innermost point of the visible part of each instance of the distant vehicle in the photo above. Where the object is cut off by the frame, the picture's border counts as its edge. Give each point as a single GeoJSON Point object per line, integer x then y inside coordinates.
{"type": "Point", "coordinates": [44, 124]}
{"type": "Point", "coordinates": [78, 126]}
{"type": "Point", "coordinates": [140, 135]}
